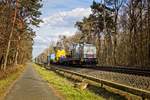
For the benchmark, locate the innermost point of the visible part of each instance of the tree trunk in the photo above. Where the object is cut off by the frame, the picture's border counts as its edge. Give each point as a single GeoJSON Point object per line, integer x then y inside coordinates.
{"type": "Point", "coordinates": [148, 42]}
{"type": "Point", "coordinates": [16, 56]}
{"type": "Point", "coordinates": [115, 38]}
{"type": "Point", "coordinates": [1, 61]}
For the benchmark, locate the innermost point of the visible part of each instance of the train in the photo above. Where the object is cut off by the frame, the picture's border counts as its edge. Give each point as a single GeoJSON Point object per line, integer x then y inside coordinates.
{"type": "Point", "coordinates": [78, 54]}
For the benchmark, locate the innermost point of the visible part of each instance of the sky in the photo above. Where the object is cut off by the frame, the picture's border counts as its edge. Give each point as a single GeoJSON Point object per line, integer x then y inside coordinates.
{"type": "Point", "coordinates": [59, 17]}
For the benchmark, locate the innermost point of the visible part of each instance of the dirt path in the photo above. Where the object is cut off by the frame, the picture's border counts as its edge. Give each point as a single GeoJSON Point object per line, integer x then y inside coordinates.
{"type": "Point", "coordinates": [31, 87]}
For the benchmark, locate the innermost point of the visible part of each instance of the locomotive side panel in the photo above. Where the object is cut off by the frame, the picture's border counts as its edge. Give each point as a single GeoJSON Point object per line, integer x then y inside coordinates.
{"type": "Point", "coordinates": [84, 53]}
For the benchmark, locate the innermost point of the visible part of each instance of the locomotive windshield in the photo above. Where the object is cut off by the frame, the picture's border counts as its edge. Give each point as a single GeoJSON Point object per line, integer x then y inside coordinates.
{"type": "Point", "coordinates": [89, 51]}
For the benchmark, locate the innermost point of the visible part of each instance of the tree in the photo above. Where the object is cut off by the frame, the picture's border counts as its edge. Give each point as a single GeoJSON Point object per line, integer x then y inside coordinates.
{"type": "Point", "coordinates": [99, 24]}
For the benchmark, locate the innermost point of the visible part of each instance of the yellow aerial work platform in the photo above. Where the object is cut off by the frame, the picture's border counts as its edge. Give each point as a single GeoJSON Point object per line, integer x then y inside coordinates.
{"type": "Point", "coordinates": [60, 53]}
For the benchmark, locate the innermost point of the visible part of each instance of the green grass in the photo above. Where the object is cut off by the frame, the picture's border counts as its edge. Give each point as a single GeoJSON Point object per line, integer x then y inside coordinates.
{"type": "Point", "coordinates": [8, 80]}
{"type": "Point", "coordinates": [65, 87]}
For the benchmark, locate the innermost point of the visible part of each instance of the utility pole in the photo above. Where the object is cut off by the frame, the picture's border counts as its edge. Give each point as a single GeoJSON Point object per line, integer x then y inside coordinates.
{"type": "Point", "coordinates": [48, 60]}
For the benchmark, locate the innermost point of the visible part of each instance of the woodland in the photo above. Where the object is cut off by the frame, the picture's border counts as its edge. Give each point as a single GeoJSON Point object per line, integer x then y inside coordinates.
{"type": "Point", "coordinates": [17, 18]}
{"type": "Point", "coordinates": [120, 29]}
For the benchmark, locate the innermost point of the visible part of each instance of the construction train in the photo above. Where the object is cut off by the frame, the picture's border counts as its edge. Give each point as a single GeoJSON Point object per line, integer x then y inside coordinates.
{"type": "Point", "coordinates": [78, 54]}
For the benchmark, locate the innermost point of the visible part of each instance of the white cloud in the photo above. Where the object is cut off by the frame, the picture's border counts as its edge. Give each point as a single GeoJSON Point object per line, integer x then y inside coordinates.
{"type": "Point", "coordinates": [61, 23]}
{"type": "Point", "coordinates": [77, 12]}
{"type": "Point", "coordinates": [66, 33]}
{"type": "Point", "coordinates": [59, 17]}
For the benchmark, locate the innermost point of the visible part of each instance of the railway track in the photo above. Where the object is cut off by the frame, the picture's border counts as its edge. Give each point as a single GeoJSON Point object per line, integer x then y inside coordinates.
{"type": "Point", "coordinates": [144, 94]}
{"type": "Point", "coordinates": [125, 70]}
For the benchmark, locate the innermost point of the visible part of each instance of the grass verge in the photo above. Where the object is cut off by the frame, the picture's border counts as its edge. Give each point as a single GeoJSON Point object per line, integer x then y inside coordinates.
{"type": "Point", "coordinates": [8, 77]}
{"type": "Point", "coordinates": [65, 87]}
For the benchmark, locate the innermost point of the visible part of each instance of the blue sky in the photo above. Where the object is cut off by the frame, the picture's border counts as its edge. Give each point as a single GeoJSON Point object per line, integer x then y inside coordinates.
{"type": "Point", "coordinates": [59, 17]}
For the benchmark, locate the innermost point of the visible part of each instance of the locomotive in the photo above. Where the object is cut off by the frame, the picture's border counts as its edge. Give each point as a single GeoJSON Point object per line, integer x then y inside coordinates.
{"type": "Point", "coordinates": [78, 54]}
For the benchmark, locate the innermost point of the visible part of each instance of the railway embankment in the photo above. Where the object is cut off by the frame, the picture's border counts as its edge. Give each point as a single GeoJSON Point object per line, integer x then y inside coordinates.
{"type": "Point", "coordinates": [70, 91]}
{"type": "Point", "coordinates": [70, 72]}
